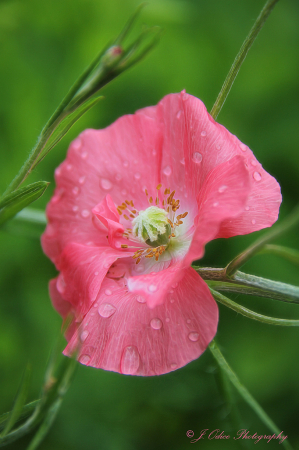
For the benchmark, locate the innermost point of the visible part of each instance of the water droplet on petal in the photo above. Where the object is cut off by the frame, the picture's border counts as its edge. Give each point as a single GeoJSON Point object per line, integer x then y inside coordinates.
{"type": "Point", "coordinates": [84, 335]}
{"type": "Point", "coordinates": [203, 133]}
{"type": "Point", "coordinates": [257, 176]}
{"type": "Point", "coordinates": [75, 208]}
{"type": "Point", "coordinates": [118, 177]}
{"type": "Point", "coordinates": [154, 152]}
{"type": "Point", "coordinates": [60, 284]}
{"type": "Point", "coordinates": [152, 288]}
{"type": "Point", "coordinates": [253, 162]}
{"type": "Point", "coordinates": [77, 144]}
{"type": "Point", "coordinates": [218, 147]}
{"type": "Point", "coordinates": [108, 292]}
{"type": "Point", "coordinates": [243, 147]}
{"type": "Point", "coordinates": [167, 171]}
{"type": "Point", "coordinates": [175, 285]}
{"type": "Point", "coordinates": [130, 360]}
{"type": "Point", "coordinates": [173, 365]}
{"type": "Point", "coordinates": [84, 359]}
{"type": "Point", "coordinates": [96, 274]}
{"type": "Point", "coordinates": [106, 310]}
{"type": "Point", "coordinates": [140, 299]}
{"type": "Point", "coordinates": [117, 244]}
{"type": "Point", "coordinates": [253, 222]}
{"type": "Point", "coordinates": [82, 180]}
{"type": "Point", "coordinates": [124, 192]}
{"type": "Point", "coordinates": [75, 190]}
{"type": "Point", "coordinates": [106, 184]}
{"type": "Point", "coordinates": [215, 204]}
{"type": "Point", "coordinates": [247, 208]}
{"type": "Point", "coordinates": [188, 320]}
{"type": "Point", "coordinates": [167, 319]}
{"type": "Point", "coordinates": [69, 167]}
{"type": "Point", "coordinates": [57, 172]}
{"type": "Point", "coordinates": [84, 155]}
{"type": "Point", "coordinates": [222, 188]}
{"type": "Point", "coordinates": [85, 213]}
{"type": "Point", "coordinates": [193, 336]}
{"type": "Point", "coordinates": [172, 300]}
{"type": "Point", "coordinates": [197, 157]}
{"type": "Point", "coordinates": [179, 114]}
{"type": "Point", "coordinates": [126, 163]}
{"type": "Point", "coordinates": [182, 161]}
{"type": "Point", "coordinates": [156, 324]}
{"type": "Point", "coordinates": [137, 176]}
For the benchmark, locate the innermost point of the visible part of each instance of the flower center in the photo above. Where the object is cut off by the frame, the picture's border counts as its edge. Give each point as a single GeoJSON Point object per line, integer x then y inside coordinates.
{"type": "Point", "coordinates": [152, 228]}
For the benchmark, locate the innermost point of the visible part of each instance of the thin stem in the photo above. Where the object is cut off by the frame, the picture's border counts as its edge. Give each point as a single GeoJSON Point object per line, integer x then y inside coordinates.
{"type": "Point", "coordinates": [273, 233]}
{"type": "Point", "coordinates": [287, 253]}
{"type": "Point", "coordinates": [262, 286]}
{"type": "Point", "coordinates": [245, 393]}
{"type": "Point", "coordinates": [252, 314]}
{"type": "Point", "coordinates": [241, 56]}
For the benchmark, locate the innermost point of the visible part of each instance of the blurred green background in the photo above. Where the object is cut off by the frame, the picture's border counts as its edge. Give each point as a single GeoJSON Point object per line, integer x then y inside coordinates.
{"type": "Point", "coordinates": [44, 47]}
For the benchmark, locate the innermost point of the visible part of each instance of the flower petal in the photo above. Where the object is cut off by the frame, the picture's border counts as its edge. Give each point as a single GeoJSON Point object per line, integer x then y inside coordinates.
{"type": "Point", "coordinates": [222, 197]}
{"type": "Point", "coordinates": [123, 335]}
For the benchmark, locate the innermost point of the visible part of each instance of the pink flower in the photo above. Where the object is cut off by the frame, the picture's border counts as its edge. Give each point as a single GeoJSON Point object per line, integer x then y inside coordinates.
{"type": "Point", "coordinates": [135, 204]}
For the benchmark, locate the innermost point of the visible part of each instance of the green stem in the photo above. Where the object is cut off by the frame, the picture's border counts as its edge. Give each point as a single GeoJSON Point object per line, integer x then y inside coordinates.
{"type": "Point", "coordinates": [244, 392]}
{"type": "Point", "coordinates": [287, 253]}
{"type": "Point", "coordinates": [273, 233]}
{"type": "Point", "coordinates": [252, 314]}
{"type": "Point", "coordinates": [258, 285]}
{"type": "Point", "coordinates": [241, 56]}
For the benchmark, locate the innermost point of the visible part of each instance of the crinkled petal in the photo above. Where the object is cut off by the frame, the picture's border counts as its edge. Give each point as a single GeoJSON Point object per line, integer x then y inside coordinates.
{"type": "Point", "coordinates": [120, 333]}
{"type": "Point", "coordinates": [222, 197]}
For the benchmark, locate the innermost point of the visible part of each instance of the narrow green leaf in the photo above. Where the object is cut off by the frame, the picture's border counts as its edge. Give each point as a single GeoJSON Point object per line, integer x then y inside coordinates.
{"type": "Point", "coordinates": [245, 394]}
{"type": "Point", "coordinates": [241, 57]}
{"type": "Point", "coordinates": [18, 403]}
{"type": "Point", "coordinates": [12, 203]}
{"type": "Point", "coordinates": [26, 411]}
{"type": "Point", "coordinates": [46, 425]}
{"type": "Point", "coordinates": [287, 253]}
{"type": "Point", "coordinates": [252, 314]}
{"type": "Point", "coordinates": [65, 126]}
{"type": "Point", "coordinates": [128, 25]}
{"type": "Point", "coordinates": [274, 232]}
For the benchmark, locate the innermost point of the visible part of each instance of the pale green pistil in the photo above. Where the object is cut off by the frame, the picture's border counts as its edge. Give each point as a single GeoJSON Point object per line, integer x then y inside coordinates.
{"type": "Point", "coordinates": [151, 226]}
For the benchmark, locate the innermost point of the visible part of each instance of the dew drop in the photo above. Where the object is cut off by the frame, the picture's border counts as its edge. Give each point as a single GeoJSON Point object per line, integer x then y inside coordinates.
{"type": "Point", "coordinates": [108, 292]}
{"type": "Point", "coordinates": [222, 188]}
{"type": "Point", "coordinates": [167, 319]}
{"type": "Point", "coordinates": [179, 114]}
{"type": "Point", "coordinates": [215, 204]}
{"type": "Point", "coordinates": [243, 147]}
{"type": "Point", "coordinates": [152, 288]}
{"type": "Point", "coordinates": [58, 172]}
{"type": "Point", "coordinates": [75, 208]}
{"type": "Point", "coordinates": [85, 213]}
{"type": "Point", "coordinates": [253, 222]}
{"type": "Point", "coordinates": [106, 184]}
{"type": "Point", "coordinates": [137, 176]}
{"type": "Point", "coordinates": [126, 163]}
{"type": "Point", "coordinates": [124, 192]}
{"type": "Point", "coordinates": [197, 157]}
{"type": "Point", "coordinates": [173, 365]}
{"type": "Point", "coordinates": [77, 144]}
{"type": "Point", "coordinates": [257, 176]}
{"type": "Point", "coordinates": [218, 147]}
{"type": "Point", "coordinates": [117, 244]}
{"type": "Point", "coordinates": [130, 360]}
{"type": "Point", "coordinates": [253, 162]}
{"type": "Point", "coordinates": [118, 177]}
{"type": "Point", "coordinates": [84, 335]}
{"type": "Point", "coordinates": [75, 190]}
{"type": "Point", "coordinates": [69, 167]}
{"type": "Point", "coordinates": [175, 285]}
{"type": "Point", "coordinates": [84, 359]}
{"type": "Point", "coordinates": [182, 161]}
{"type": "Point", "coordinates": [106, 310]}
{"type": "Point", "coordinates": [247, 208]}
{"type": "Point", "coordinates": [172, 300]}
{"type": "Point", "coordinates": [188, 320]}
{"type": "Point", "coordinates": [60, 284]}
{"type": "Point", "coordinates": [203, 133]}
{"type": "Point", "coordinates": [84, 155]}
{"type": "Point", "coordinates": [167, 171]}
{"type": "Point", "coordinates": [82, 180]}
{"type": "Point", "coordinates": [96, 274]}
{"type": "Point", "coordinates": [140, 299]}
{"type": "Point", "coordinates": [154, 152]}
{"type": "Point", "coordinates": [156, 324]}
{"type": "Point", "coordinates": [193, 336]}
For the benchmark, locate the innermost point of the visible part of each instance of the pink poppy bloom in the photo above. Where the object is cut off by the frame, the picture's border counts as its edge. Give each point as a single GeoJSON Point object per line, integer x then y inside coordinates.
{"type": "Point", "coordinates": [134, 205]}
